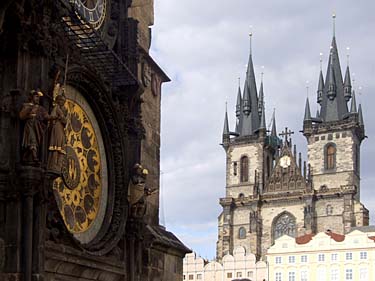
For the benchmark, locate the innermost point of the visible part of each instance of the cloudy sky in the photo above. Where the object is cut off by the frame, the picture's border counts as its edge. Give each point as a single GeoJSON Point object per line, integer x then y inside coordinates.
{"type": "Point", "coordinates": [204, 47]}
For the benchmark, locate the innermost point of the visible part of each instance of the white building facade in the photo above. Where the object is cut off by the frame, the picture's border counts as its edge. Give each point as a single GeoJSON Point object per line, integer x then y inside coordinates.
{"type": "Point", "coordinates": [326, 256]}
{"type": "Point", "coordinates": [240, 266]}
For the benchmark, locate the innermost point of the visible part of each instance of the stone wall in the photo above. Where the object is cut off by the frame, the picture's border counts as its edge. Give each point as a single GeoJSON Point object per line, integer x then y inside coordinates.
{"type": "Point", "coordinates": [344, 172]}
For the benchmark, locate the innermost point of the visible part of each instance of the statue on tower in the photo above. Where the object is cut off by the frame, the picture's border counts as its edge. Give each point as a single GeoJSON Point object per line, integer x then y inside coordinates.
{"type": "Point", "coordinates": [33, 115]}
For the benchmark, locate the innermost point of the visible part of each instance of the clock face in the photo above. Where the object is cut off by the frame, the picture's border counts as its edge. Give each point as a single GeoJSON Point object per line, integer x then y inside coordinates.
{"type": "Point", "coordinates": [285, 161]}
{"type": "Point", "coordinates": [81, 192]}
{"type": "Point", "coordinates": [91, 11]}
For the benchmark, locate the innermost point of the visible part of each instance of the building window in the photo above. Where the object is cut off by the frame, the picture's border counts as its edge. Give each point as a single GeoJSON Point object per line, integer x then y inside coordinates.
{"type": "Point", "coordinates": [199, 276]}
{"type": "Point", "coordinates": [191, 277]}
{"type": "Point", "coordinates": [304, 258]}
{"type": "Point", "coordinates": [333, 257]}
{"type": "Point", "coordinates": [284, 224]}
{"type": "Point", "coordinates": [329, 209]}
{"type": "Point", "coordinates": [239, 274]}
{"type": "Point", "coordinates": [244, 177]}
{"type": "Point", "coordinates": [235, 168]}
{"type": "Point", "coordinates": [334, 275]}
{"type": "Point", "coordinates": [184, 277]}
{"type": "Point", "coordinates": [242, 233]}
{"type": "Point", "coordinates": [363, 274]}
{"type": "Point", "coordinates": [363, 255]}
{"type": "Point", "coordinates": [348, 256]}
{"type": "Point", "coordinates": [357, 159]}
{"type": "Point", "coordinates": [278, 276]}
{"type": "Point", "coordinates": [320, 257]}
{"type": "Point", "coordinates": [349, 274]}
{"type": "Point", "coordinates": [229, 274]}
{"type": "Point", "coordinates": [304, 276]}
{"type": "Point", "coordinates": [321, 274]}
{"type": "Point", "coordinates": [330, 156]}
{"type": "Point", "coordinates": [278, 260]}
{"type": "Point", "coordinates": [250, 274]}
{"type": "Point", "coordinates": [292, 276]}
{"type": "Point", "coordinates": [292, 259]}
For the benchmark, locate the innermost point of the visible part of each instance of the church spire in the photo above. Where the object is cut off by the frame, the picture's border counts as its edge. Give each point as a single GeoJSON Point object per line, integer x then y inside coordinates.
{"type": "Point", "coordinates": [250, 118]}
{"type": "Point", "coordinates": [320, 87]}
{"type": "Point", "coordinates": [226, 123]}
{"type": "Point", "coordinates": [347, 85]}
{"type": "Point", "coordinates": [307, 111]}
{"type": "Point", "coordinates": [360, 115]}
{"type": "Point", "coordinates": [273, 130]}
{"type": "Point", "coordinates": [333, 103]}
{"type": "Point", "coordinates": [353, 107]}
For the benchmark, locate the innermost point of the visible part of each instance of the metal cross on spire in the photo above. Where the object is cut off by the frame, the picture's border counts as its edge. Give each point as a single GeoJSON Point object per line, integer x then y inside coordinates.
{"type": "Point", "coordinates": [286, 133]}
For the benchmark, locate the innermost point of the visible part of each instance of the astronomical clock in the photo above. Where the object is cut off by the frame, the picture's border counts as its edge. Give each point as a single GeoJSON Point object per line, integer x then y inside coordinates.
{"type": "Point", "coordinates": [82, 191]}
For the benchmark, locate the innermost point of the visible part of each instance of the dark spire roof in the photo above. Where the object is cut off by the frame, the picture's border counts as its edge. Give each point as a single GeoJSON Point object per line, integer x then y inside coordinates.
{"type": "Point", "coordinates": [333, 105]}
{"type": "Point", "coordinates": [263, 118]}
{"type": "Point", "coordinates": [347, 85]}
{"type": "Point", "coordinates": [273, 130]}
{"type": "Point", "coordinates": [320, 87]}
{"type": "Point", "coordinates": [261, 99]}
{"type": "Point", "coordinates": [250, 118]}
{"type": "Point", "coordinates": [360, 116]}
{"type": "Point", "coordinates": [239, 102]}
{"type": "Point", "coordinates": [307, 111]}
{"type": "Point", "coordinates": [239, 113]}
{"type": "Point", "coordinates": [226, 124]}
{"type": "Point", "coordinates": [353, 107]}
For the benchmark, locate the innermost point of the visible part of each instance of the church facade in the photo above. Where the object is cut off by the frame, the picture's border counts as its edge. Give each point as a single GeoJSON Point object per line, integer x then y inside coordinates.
{"type": "Point", "coordinates": [269, 190]}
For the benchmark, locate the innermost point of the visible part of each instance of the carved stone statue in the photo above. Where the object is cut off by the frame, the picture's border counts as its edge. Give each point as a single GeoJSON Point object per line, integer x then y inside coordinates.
{"type": "Point", "coordinates": [57, 141]}
{"type": "Point", "coordinates": [33, 115]}
{"type": "Point", "coordinates": [138, 192]}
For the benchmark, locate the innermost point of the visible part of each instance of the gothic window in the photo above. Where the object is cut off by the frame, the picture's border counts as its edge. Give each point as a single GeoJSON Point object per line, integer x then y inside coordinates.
{"type": "Point", "coordinates": [244, 169]}
{"type": "Point", "coordinates": [268, 167]}
{"type": "Point", "coordinates": [235, 168]}
{"type": "Point", "coordinates": [329, 210]}
{"type": "Point", "coordinates": [242, 233]}
{"type": "Point", "coordinates": [284, 224]}
{"type": "Point", "coordinates": [330, 156]}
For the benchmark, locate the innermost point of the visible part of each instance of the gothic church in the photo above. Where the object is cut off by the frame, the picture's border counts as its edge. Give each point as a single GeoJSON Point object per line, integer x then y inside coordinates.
{"type": "Point", "coordinates": [269, 191]}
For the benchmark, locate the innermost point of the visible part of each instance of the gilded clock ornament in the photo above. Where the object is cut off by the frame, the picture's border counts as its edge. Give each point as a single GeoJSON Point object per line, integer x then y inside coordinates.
{"type": "Point", "coordinates": [91, 11]}
{"type": "Point", "coordinates": [81, 191]}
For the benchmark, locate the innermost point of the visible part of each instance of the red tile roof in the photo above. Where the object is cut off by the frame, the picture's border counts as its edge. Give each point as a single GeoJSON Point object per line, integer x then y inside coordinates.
{"type": "Point", "coordinates": [304, 239]}
{"type": "Point", "coordinates": [335, 236]}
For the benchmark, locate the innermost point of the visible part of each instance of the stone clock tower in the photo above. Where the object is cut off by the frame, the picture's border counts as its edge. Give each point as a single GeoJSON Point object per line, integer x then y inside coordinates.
{"type": "Point", "coordinates": [79, 144]}
{"type": "Point", "coordinates": [269, 190]}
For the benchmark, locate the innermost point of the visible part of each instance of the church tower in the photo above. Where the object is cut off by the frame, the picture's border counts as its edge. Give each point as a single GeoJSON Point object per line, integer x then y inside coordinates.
{"type": "Point", "coordinates": [250, 155]}
{"type": "Point", "coordinates": [334, 138]}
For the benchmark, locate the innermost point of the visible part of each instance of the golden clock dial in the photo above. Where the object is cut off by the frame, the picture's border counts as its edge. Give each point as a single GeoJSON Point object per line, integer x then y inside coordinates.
{"type": "Point", "coordinates": [81, 192]}
{"type": "Point", "coordinates": [285, 161]}
{"type": "Point", "coordinates": [91, 11]}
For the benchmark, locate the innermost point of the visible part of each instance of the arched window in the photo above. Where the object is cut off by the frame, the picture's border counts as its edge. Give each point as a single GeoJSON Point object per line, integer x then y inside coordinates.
{"type": "Point", "coordinates": [284, 224]}
{"type": "Point", "coordinates": [244, 169]}
{"type": "Point", "coordinates": [330, 156]}
{"type": "Point", "coordinates": [242, 233]}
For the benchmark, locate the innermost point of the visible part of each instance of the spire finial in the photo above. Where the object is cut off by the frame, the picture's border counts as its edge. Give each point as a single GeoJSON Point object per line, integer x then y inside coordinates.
{"type": "Point", "coordinates": [307, 88]}
{"type": "Point", "coordinates": [334, 23]}
{"type": "Point", "coordinates": [239, 81]}
{"type": "Point", "coordinates": [251, 36]}
{"type": "Point", "coordinates": [262, 74]}
{"type": "Point", "coordinates": [321, 60]}
{"type": "Point", "coordinates": [347, 55]}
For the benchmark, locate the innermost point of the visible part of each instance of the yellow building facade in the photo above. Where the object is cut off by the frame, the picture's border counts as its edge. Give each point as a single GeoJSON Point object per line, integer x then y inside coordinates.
{"type": "Point", "coordinates": [325, 256]}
